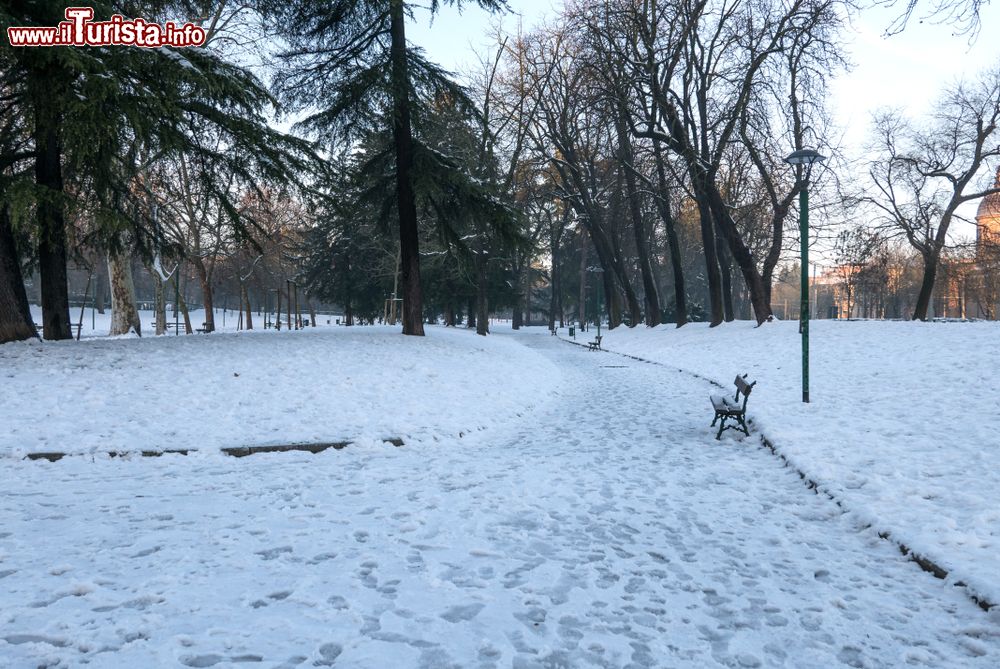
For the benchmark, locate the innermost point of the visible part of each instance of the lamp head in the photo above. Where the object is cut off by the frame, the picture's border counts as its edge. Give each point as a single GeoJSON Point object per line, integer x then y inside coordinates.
{"type": "Point", "coordinates": [805, 157]}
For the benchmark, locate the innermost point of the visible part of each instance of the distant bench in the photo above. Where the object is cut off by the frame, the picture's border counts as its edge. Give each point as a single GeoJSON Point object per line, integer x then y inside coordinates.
{"type": "Point", "coordinates": [594, 345]}
{"type": "Point", "coordinates": [76, 327]}
{"type": "Point", "coordinates": [733, 410]}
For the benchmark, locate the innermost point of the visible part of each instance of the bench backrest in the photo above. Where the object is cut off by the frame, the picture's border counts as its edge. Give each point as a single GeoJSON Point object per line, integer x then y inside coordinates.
{"type": "Point", "coordinates": [744, 388]}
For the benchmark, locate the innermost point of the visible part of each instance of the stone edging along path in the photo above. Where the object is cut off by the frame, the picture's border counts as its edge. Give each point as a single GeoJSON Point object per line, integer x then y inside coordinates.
{"type": "Point", "coordinates": [235, 451]}
{"type": "Point", "coordinates": [924, 563]}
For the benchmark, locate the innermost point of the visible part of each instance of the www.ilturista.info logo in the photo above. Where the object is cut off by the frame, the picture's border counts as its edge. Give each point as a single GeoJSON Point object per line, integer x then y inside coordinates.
{"type": "Point", "coordinates": [80, 30]}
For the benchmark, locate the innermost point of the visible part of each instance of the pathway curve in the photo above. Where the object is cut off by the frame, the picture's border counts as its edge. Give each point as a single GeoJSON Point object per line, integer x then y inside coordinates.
{"type": "Point", "coordinates": [608, 530]}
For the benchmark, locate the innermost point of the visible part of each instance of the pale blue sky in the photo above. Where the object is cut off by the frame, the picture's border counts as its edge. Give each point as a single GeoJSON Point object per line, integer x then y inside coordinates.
{"type": "Point", "coordinates": [455, 36]}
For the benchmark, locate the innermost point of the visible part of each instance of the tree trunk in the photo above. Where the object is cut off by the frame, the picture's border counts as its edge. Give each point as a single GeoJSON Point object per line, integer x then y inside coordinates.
{"type": "Point", "coordinates": [161, 304]}
{"type": "Point", "coordinates": [930, 261]}
{"type": "Point", "coordinates": [245, 301]}
{"type": "Point", "coordinates": [582, 297]}
{"type": "Point", "coordinates": [482, 303]}
{"type": "Point", "coordinates": [182, 304]}
{"type": "Point", "coordinates": [651, 295]}
{"type": "Point", "coordinates": [673, 244]}
{"type": "Point", "coordinates": [774, 252]}
{"type": "Point", "coordinates": [759, 298]}
{"type": "Point", "coordinates": [517, 314]}
{"type": "Point", "coordinates": [712, 270]}
{"type": "Point", "coordinates": [726, 272]}
{"type": "Point", "coordinates": [405, 198]}
{"type": "Point", "coordinates": [206, 294]}
{"type": "Point", "coordinates": [553, 289]}
{"type": "Point", "coordinates": [51, 225]}
{"type": "Point", "coordinates": [610, 254]}
{"type": "Point", "coordinates": [124, 315]}
{"type": "Point", "coordinates": [609, 302]}
{"type": "Point", "coordinates": [15, 314]}
{"type": "Point", "coordinates": [527, 293]}
{"type": "Point", "coordinates": [471, 317]}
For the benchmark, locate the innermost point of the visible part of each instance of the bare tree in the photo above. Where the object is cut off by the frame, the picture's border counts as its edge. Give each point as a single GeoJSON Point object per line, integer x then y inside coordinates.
{"type": "Point", "coordinates": [702, 81]}
{"type": "Point", "coordinates": [924, 173]}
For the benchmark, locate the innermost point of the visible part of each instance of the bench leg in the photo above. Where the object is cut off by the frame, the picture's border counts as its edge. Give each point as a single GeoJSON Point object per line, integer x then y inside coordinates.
{"type": "Point", "coordinates": [715, 420]}
{"type": "Point", "coordinates": [722, 426]}
{"type": "Point", "coordinates": [743, 427]}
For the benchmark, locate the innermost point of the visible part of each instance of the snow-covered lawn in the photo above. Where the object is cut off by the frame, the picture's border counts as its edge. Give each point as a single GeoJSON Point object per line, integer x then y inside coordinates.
{"type": "Point", "coordinates": [94, 324]}
{"type": "Point", "coordinates": [903, 424]}
{"type": "Point", "coordinates": [208, 392]}
{"type": "Point", "coordinates": [605, 528]}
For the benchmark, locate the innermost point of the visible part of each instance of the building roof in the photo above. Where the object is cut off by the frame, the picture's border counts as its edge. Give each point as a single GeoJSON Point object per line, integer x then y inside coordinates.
{"type": "Point", "coordinates": [989, 207]}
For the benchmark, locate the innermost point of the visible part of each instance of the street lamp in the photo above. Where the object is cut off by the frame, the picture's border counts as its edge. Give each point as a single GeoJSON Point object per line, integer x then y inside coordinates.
{"type": "Point", "coordinates": [807, 158]}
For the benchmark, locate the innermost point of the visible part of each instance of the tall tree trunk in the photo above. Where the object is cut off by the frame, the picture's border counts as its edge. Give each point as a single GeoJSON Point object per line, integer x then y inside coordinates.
{"type": "Point", "coordinates": [482, 303]}
{"type": "Point", "coordinates": [470, 320]}
{"type": "Point", "coordinates": [582, 297]}
{"type": "Point", "coordinates": [774, 252]}
{"type": "Point", "coordinates": [651, 295]}
{"type": "Point", "coordinates": [527, 293]}
{"type": "Point", "coordinates": [759, 298]}
{"type": "Point", "coordinates": [712, 270]}
{"type": "Point", "coordinates": [673, 244]}
{"type": "Point", "coordinates": [124, 315]}
{"type": "Point", "coordinates": [610, 254]}
{"type": "Point", "coordinates": [51, 224]}
{"type": "Point", "coordinates": [553, 290]}
{"type": "Point", "coordinates": [160, 306]}
{"type": "Point", "coordinates": [517, 313]}
{"type": "Point", "coordinates": [15, 314]}
{"type": "Point", "coordinates": [182, 304]}
{"type": "Point", "coordinates": [246, 304]}
{"type": "Point", "coordinates": [726, 272]}
{"type": "Point", "coordinates": [930, 261]}
{"type": "Point", "coordinates": [409, 249]}
{"type": "Point", "coordinates": [206, 293]}
{"type": "Point", "coordinates": [609, 302]}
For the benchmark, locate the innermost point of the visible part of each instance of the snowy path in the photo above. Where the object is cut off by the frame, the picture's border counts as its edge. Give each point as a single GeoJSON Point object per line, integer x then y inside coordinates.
{"type": "Point", "coordinates": [609, 529]}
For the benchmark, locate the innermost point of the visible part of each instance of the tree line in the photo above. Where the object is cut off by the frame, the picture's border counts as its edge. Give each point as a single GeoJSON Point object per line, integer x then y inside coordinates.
{"type": "Point", "coordinates": [626, 155]}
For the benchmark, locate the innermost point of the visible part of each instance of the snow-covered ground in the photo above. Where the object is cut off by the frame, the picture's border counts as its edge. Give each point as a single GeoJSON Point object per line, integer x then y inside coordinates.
{"type": "Point", "coordinates": [903, 423]}
{"type": "Point", "coordinates": [605, 528]}
{"type": "Point", "coordinates": [208, 392]}
{"type": "Point", "coordinates": [94, 324]}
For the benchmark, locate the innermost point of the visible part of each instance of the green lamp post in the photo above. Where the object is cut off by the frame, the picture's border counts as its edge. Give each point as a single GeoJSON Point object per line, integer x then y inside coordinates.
{"type": "Point", "coordinates": [804, 159]}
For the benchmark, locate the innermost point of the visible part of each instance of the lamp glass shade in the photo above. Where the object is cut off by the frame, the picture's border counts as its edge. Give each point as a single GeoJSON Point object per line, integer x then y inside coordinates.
{"type": "Point", "coordinates": [805, 157]}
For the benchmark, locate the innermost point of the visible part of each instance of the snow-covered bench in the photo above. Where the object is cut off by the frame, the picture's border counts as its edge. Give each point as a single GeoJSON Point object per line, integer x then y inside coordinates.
{"type": "Point", "coordinates": [594, 345]}
{"type": "Point", "coordinates": [733, 410]}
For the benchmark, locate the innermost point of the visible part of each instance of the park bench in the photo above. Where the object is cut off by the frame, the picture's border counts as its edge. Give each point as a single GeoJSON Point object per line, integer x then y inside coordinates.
{"type": "Point", "coordinates": [733, 410]}
{"type": "Point", "coordinates": [177, 327]}
{"type": "Point", "coordinates": [73, 326]}
{"type": "Point", "coordinates": [594, 345]}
